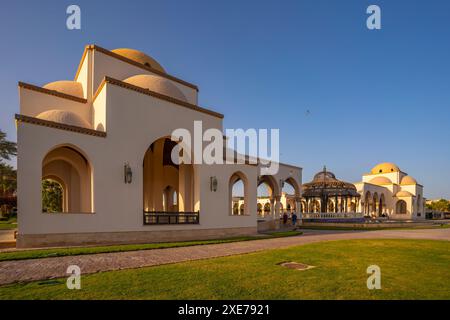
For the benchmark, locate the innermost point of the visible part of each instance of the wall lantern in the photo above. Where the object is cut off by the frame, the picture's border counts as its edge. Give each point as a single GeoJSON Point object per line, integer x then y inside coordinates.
{"type": "Point", "coordinates": [213, 183]}
{"type": "Point", "coordinates": [127, 173]}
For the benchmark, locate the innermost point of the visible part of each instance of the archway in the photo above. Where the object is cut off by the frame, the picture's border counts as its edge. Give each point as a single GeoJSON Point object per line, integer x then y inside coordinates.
{"type": "Point", "coordinates": [67, 167]}
{"type": "Point", "coordinates": [167, 186]}
{"type": "Point", "coordinates": [382, 206]}
{"type": "Point", "coordinates": [238, 193]}
{"type": "Point", "coordinates": [368, 203]}
{"type": "Point", "coordinates": [259, 208]}
{"type": "Point", "coordinates": [400, 207]}
{"type": "Point", "coordinates": [267, 209]}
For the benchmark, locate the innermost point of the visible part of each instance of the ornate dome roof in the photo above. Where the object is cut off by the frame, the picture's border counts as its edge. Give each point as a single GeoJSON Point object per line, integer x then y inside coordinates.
{"type": "Point", "coordinates": [157, 84]}
{"type": "Point", "coordinates": [380, 180]}
{"type": "Point", "coordinates": [72, 88]}
{"type": "Point", "coordinates": [385, 167]}
{"type": "Point", "coordinates": [65, 117]}
{"type": "Point", "coordinates": [404, 194]}
{"type": "Point", "coordinates": [325, 183]}
{"type": "Point", "coordinates": [140, 57]}
{"type": "Point", "coordinates": [408, 180]}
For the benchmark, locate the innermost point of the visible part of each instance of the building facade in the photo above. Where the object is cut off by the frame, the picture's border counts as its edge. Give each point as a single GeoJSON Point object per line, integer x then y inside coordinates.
{"type": "Point", "coordinates": [104, 139]}
{"type": "Point", "coordinates": [389, 192]}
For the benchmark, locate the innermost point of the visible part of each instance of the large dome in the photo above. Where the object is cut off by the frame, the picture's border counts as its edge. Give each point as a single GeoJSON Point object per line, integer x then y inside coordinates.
{"type": "Point", "coordinates": [72, 88]}
{"type": "Point", "coordinates": [64, 117]}
{"type": "Point", "coordinates": [140, 57]}
{"type": "Point", "coordinates": [157, 84]}
{"type": "Point", "coordinates": [385, 167]}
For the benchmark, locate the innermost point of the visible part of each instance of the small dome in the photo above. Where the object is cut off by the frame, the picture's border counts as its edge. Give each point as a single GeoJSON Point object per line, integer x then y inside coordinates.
{"type": "Point", "coordinates": [140, 57]}
{"type": "Point", "coordinates": [157, 84]}
{"type": "Point", "coordinates": [72, 88]}
{"type": "Point", "coordinates": [385, 167]}
{"type": "Point", "coordinates": [65, 117]}
{"type": "Point", "coordinates": [408, 180]}
{"type": "Point", "coordinates": [404, 194]}
{"type": "Point", "coordinates": [380, 180]}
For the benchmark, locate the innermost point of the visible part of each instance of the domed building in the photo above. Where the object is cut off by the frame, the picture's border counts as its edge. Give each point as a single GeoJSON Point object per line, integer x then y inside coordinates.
{"type": "Point", "coordinates": [104, 142]}
{"type": "Point", "coordinates": [389, 192]}
{"type": "Point", "coordinates": [326, 194]}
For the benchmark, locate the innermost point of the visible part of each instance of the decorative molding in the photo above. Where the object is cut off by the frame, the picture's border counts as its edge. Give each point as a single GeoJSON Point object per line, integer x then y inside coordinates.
{"type": "Point", "coordinates": [51, 92]}
{"type": "Point", "coordinates": [156, 95]}
{"type": "Point", "coordinates": [57, 125]}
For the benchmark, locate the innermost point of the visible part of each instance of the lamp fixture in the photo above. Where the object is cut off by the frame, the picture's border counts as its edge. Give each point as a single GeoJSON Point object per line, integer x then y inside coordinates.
{"type": "Point", "coordinates": [127, 173]}
{"type": "Point", "coordinates": [213, 183]}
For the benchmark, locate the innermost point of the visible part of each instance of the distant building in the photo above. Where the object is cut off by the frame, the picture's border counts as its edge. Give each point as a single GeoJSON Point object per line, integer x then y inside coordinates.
{"type": "Point", "coordinates": [389, 192]}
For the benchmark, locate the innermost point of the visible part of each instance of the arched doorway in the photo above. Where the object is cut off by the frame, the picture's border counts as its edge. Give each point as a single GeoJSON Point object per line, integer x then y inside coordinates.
{"type": "Point", "coordinates": [168, 186]}
{"type": "Point", "coordinates": [66, 181]}
{"type": "Point", "coordinates": [238, 194]}
{"type": "Point", "coordinates": [400, 207]}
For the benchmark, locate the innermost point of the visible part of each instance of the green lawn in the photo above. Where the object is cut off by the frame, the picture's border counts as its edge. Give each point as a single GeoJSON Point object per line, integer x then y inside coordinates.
{"type": "Point", "coordinates": [8, 224]}
{"type": "Point", "coordinates": [410, 269]}
{"type": "Point", "coordinates": [46, 253]}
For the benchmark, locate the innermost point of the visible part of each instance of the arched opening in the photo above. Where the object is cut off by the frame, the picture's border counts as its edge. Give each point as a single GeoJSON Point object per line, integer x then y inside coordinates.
{"type": "Point", "coordinates": [400, 207]}
{"type": "Point", "coordinates": [375, 204]}
{"type": "Point", "coordinates": [168, 187]}
{"type": "Point", "coordinates": [330, 206]}
{"type": "Point", "coordinates": [259, 208]}
{"type": "Point", "coordinates": [290, 193]}
{"type": "Point", "coordinates": [238, 194]}
{"type": "Point", "coordinates": [241, 209]}
{"type": "Point", "coordinates": [267, 191]}
{"type": "Point", "coordinates": [66, 181]}
{"type": "Point", "coordinates": [382, 206]}
{"type": "Point", "coordinates": [314, 206]}
{"type": "Point", "coordinates": [267, 209]}
{"type": "Point", "coordinates": [368, 203]}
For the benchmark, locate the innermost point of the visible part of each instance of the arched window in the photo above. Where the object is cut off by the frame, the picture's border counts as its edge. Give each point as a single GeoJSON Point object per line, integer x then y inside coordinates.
{"type": "Point", "coordinates": [259, 208]}
{"type": "Point", "coordinates": [66, 181]}
{"type": "Point", "coordinates": [238, 193]}
{"type": "Point", "coordinates": [400, 207]}
{"type": "Point", "coordinates": [267, 208]}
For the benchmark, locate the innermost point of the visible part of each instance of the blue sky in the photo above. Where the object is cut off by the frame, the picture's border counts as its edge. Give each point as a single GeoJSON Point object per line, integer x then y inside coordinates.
{"type": "Point", "coordinates": [372, 96]}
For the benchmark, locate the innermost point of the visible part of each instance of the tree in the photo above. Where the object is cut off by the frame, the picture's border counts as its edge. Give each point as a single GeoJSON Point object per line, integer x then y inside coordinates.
{"type": "Point", "coordinates": [440, 205]}
{"type": "Point", "coordinates": [7, 148]}
{"type": "Point", "coordinates": [52, 196]}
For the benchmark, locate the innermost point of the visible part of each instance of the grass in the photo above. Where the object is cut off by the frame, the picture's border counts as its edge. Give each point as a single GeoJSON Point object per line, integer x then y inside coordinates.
{"type": "Point", "coordinates": [59, 252]}
{"type": "Point", "coordinates": [410, 269]}
{"type": "Point", "coordinates": [8, 224]}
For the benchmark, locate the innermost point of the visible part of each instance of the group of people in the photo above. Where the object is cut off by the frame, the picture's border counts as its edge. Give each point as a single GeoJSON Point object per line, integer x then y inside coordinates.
{"type": "Point", "coordinates": [293, 218]}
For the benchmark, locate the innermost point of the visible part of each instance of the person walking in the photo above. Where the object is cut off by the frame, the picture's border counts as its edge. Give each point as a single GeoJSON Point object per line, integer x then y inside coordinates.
{"type": "Point", "coordinates": [285, 218]}
{"type": "Point", "coordinates": [294, 219]}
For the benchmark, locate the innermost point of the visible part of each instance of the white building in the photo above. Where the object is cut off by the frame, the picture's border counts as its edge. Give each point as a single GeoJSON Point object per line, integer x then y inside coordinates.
{"type": "Point", "coordinates": [104, 139]}
{"type": "Point", "coordinates": [389, 192]}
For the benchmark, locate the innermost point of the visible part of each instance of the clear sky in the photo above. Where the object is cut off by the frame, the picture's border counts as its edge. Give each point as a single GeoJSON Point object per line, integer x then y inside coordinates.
{"type": "Point", "coordinates": [342, 95]}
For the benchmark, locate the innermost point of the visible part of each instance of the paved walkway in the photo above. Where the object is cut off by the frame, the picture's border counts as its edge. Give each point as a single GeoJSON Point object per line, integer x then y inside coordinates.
{"type": "Point", "coordinates": [47, 268]}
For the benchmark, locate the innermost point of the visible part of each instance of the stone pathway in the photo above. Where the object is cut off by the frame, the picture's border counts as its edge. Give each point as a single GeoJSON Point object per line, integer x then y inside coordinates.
{"type": "Point", "coordinates": [48, 268]}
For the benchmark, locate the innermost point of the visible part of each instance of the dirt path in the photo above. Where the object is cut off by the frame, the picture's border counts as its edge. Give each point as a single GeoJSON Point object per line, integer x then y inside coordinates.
{"type": "Point", "coordinates": [47, 268]}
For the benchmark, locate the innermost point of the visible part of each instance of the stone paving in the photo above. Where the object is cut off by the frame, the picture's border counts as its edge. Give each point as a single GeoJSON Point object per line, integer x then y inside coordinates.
{"type": "Point", "coordinates": [48, 268]}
